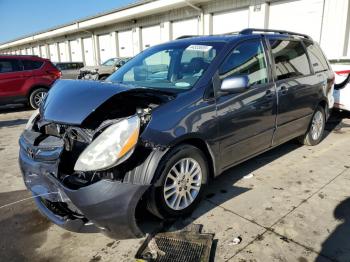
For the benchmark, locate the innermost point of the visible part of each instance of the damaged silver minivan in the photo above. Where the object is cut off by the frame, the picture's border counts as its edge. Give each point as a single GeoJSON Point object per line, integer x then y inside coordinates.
{"type": "Point", "coordinates": [98, 154]}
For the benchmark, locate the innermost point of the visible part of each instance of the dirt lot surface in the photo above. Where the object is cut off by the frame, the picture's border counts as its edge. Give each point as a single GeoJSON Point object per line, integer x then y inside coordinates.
{"type": "Point", "coordinates": [289, 204]}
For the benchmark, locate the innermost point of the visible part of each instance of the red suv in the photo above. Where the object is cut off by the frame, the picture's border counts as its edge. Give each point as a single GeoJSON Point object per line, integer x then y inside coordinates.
{"type": "Point", "coordinates": [25, 79]}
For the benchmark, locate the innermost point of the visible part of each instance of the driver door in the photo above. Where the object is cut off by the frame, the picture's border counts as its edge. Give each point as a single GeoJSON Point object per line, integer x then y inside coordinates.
{"type": "Point", "coordinates": [246, 120]}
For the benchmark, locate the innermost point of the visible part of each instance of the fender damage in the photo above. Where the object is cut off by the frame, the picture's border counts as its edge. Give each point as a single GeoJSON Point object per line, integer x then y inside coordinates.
{"type": "Point", "coordinates": [72, 116]}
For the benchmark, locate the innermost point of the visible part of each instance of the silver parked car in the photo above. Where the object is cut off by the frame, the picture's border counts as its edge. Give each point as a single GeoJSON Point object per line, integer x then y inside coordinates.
{"type": "Point", "coordinates": [101, 72]}
{"type": "Point", "coordinates": [69, 70]}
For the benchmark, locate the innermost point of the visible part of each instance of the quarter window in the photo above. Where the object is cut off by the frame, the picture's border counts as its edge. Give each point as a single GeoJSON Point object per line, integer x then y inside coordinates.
{"type": "Point", "coordinates": [290, 59]}
{"type": "Point", "coordinates": [317, 59]}
{"type": "Point", "coordinates": [247, 59]}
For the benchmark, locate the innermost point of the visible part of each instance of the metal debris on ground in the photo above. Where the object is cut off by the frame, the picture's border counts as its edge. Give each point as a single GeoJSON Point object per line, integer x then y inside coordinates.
{"type": "Point", "coordinates": [235, 241]}
{"type": "Point", "coordinates": [251, 175]}
{"type": "Point", "coordinates": [188, 244]}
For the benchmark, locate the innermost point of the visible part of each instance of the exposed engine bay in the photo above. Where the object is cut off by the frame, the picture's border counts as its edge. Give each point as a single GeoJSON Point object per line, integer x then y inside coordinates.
{"type": "Point", "coordinates": [76, 139]}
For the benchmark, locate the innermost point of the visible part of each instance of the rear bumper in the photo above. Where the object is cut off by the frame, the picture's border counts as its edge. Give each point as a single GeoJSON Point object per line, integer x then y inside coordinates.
{"type": "Point", "coordinates": [105, 206]}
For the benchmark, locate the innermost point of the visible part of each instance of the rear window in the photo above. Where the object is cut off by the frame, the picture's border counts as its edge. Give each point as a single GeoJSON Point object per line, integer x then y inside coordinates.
{"type": "Point", "coordinates": [31, 65]}
{"type": "Point", "coordinates": [317, 59]}
{"type": "Point", "coordinates": [290, 59]}
{"type": "Point", "coordinates": [9, 65]}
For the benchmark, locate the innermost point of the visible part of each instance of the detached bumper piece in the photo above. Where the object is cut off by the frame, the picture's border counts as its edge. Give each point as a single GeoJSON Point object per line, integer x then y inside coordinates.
{"type": "Point", "coordinates": [188, 244]}
{"type": "Point", "coordinates": [105, 206]}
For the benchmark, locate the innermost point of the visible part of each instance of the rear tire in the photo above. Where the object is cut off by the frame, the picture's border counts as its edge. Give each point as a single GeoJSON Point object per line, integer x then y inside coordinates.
{"type": "Point", "coordinates": [36, 97]}
{"type": "Point", "coordinates": [182, 176]}
{"type": "Point", "coordinates": [316, 130]}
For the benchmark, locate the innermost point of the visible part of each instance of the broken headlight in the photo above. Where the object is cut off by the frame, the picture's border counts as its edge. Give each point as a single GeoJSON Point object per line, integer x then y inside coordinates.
{"type": "Point", "coordinates": [31, 120]}
{"type": "Point", "coordinates": [114, 145]}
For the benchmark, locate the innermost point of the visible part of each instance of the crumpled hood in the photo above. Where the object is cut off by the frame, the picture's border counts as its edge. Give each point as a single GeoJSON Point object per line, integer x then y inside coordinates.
{"type": "Point", "coordinates": [72, 101]}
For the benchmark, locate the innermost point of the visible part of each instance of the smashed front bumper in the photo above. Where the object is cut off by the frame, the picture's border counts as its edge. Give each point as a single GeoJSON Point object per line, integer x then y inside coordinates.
{"type": "Point", "coordinates": [104, 206]}
{"type": "Point", "coordinates": [88, 75]}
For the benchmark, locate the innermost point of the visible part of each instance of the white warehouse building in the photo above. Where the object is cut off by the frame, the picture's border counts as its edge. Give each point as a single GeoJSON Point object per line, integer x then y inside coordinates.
{"type": "Point", "coordinates": [124, 32]}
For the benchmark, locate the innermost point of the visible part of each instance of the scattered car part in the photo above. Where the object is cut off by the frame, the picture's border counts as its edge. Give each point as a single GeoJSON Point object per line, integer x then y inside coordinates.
{"type": "Point", "coordinates": [184, 245]}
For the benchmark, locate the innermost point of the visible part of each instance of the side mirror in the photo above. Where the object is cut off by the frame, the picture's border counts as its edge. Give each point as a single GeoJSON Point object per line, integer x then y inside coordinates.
{"type": "Point", "coordinates": [235, 84]}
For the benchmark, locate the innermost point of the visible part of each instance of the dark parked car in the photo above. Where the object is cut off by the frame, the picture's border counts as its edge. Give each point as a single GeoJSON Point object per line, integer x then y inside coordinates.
{"type": "Point", "coordinates": [69, 70]}
{"type": "Point", "coordinates": [166, 123]}
{"type": "Point", "coordinates": [25, 79]}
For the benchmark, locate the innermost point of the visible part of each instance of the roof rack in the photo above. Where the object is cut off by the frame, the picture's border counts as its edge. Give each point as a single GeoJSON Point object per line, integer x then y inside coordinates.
{"type": "Point", "coordinates": [249, 31]}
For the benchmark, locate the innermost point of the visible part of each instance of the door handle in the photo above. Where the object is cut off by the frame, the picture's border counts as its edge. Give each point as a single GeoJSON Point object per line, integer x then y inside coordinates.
{"type": "Point", "coordinates": [284, 90]}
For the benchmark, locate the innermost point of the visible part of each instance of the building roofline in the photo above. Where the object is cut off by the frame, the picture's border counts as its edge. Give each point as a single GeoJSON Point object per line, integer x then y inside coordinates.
{"type": "Point", "coordinates": [100, 14]}
{"type": "Point", "coordinates": [129, 12]}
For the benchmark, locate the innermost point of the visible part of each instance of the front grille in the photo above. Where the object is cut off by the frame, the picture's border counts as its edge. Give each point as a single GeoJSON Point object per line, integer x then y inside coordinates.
{"type": "Point", "coordinates": [186, 245]}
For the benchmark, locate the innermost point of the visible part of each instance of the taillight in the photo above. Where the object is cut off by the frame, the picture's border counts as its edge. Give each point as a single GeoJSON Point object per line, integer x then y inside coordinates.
{"type": "Point", "coordinates": [55, 73]}
{"type": "Point", "coordinates": [343, 72]}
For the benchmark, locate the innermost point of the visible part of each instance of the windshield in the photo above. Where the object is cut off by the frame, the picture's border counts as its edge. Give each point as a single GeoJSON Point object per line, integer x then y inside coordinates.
{"type": "Point", "coordinates": [173, 66]}
{"type": "Point", "coordinates": [110, 62]}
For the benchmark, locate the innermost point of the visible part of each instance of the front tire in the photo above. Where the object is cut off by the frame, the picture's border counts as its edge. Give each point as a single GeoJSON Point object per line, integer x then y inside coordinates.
{"type": "Point", "coordinates": [182, 176]}
{"type": "Point", "coordinates": [103, 78]}
{"type": "Point", "coordinates": [316, 130]}
{"type": "Point", "coordinates": [36, 97]}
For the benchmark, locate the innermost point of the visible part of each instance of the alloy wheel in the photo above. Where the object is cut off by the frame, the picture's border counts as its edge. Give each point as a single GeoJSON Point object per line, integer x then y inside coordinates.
{"type": "Point", "coordinates": [317, 125]}
{"type": "Point", "coordinates": [39, 97]}
{"type": "Point", "coordinates": [182, 184]}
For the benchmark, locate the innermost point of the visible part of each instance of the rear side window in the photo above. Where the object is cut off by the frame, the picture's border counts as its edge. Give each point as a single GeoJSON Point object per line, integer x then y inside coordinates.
{"type": "Point", "coordinates": [290, 59]}
{"type": "Point", "coordinates": [246, 59]}
{"type": "Point", "coordinates": [31, 65]}
{"type": "Point", "coordinates": [317, 59]}
{"type": "Point", "coordinates": [9, 65]}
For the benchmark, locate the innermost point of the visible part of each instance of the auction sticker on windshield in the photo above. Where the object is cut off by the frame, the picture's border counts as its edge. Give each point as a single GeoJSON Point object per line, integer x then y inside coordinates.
{"type": "Point", "coordinates": [201, 48]}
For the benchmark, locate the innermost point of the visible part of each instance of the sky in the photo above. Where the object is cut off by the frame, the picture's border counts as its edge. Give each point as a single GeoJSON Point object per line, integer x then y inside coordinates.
{"type": "Point", "coordinates": [22, 17]}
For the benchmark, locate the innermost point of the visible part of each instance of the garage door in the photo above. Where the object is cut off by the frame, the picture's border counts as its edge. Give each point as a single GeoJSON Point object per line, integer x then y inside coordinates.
{"type": "Point", "coordinates": [125, 44]}
{"type": "Point", "coordinates": [307, 12]}
{"type": "Point", "coordinates": [43, 51]}
{"type": "Point", "coordinates": [29, 51]}
{"type": "Point", "coordinates": [53, 53]}
{"type": "Point", "coordinates": [105, 47]}
{"type": "Point", "coordinates": [185, 27]}
{"type": "Point", "coordinates": [150, 36]}
{"type": "Point", "coordinates": [36, 50]}
{"type": "Point", "coordinates": [75, 51]}
{"type": "Point", "coordinates": [88, 51]}
{"type": "Point", "coordinates": [63, 52]}
{"type": "Point", "coordinates": [230, 21]}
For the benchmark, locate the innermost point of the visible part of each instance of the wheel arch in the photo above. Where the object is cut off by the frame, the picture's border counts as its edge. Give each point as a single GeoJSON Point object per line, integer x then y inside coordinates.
{"type": "Point", "coordinates": [103, 75]}
{"type": "Point", "coordinates": [35, 87]}
{"type": "Point", "coordinates": [201, 145]}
